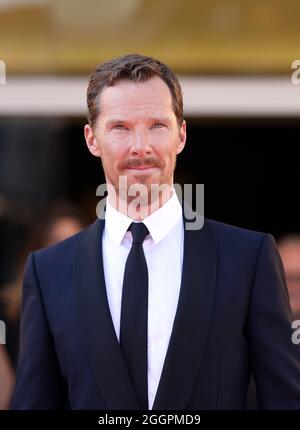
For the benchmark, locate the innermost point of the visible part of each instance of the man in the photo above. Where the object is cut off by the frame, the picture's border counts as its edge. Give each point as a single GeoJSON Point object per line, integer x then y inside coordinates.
{"type": "Point", "coordinates": [138, 311]}
{"type": "Point", "coordinates": [289, 250]}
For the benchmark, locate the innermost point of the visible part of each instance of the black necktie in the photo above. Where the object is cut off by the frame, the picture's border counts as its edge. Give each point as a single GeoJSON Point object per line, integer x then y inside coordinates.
{"type": "Point", "coordinates": [134, 314]}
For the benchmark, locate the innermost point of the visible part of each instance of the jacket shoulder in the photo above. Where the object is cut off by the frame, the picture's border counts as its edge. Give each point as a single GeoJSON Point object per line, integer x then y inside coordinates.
{"type": "Point", "coordinates": [222, 229]}
{"type": "Point", "coordinates": [239, 241]}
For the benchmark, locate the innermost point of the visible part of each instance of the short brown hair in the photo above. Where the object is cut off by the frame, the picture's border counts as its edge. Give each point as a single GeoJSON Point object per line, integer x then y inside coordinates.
{"type": "Point", "coordinates": [136, 68]}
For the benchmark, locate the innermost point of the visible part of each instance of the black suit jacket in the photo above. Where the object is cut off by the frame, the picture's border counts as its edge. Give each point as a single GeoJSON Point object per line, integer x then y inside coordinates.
{"type": "Point", "coordinates": [233, 318]}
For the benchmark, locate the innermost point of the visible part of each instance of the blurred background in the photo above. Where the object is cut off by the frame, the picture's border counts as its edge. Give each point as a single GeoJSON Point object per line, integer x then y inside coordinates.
{"type": "Point", "coordinates": [235, 63]}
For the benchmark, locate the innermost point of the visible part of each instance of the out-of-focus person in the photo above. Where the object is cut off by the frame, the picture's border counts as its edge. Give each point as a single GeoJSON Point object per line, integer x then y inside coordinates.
{"type": "Point", "coordinates": [57, 223]}
{"type": "Point", "coordinates": [7, 379]}
{"type": "Point", "coordinates": [289, 249]}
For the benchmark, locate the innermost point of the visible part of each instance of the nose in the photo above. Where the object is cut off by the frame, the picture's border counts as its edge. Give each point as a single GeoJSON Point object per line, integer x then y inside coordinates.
{"type": "Point", "coordinates": [140, 145]}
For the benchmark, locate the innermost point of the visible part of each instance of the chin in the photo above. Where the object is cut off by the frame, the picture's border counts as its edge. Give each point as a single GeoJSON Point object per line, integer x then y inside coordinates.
{"type": "Point", "coordinates": [143, 179]}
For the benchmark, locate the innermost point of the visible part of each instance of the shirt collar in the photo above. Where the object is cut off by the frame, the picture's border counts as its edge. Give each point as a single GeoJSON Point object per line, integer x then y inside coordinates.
{"type": "Point", "coordinates": [159, 223]}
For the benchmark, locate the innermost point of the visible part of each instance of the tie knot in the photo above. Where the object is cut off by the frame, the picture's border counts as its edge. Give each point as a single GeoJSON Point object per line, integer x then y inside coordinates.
{"type": "Point", "coordinates": [139, 231]}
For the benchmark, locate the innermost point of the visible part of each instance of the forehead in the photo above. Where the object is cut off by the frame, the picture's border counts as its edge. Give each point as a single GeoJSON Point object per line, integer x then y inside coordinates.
{"type": "Point", "coordinates": [127, 97]}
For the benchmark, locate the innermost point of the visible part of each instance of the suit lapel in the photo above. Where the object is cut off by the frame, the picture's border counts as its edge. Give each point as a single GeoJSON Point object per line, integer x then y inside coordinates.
{"type": "Point", "coordinates": [102, 343]}
{"type": "Point", "coordinates": [191, 322]}
{"type": "Point", "coordinates": [183, 359]}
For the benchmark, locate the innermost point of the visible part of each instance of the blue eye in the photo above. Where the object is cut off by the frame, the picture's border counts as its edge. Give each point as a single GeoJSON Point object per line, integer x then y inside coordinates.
{"type": "Point", "coordinates": [158, 125]}
{"type": "Point", "coordinates": [119, 127]}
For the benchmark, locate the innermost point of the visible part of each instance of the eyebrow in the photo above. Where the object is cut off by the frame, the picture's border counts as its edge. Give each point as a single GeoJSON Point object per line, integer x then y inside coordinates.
{"type": "Point", "coordinates": [118, 120]}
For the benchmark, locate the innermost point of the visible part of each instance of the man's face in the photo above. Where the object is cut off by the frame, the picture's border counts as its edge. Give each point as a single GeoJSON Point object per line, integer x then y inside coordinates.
{"type": "Point", "coordinates": [290, 254]}
{"type": "Point", "coordinates": [137, 134]}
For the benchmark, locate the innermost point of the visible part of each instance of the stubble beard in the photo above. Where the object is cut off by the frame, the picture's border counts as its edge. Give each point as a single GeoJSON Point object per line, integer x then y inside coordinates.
{"type": "Point", "coordinates": [154, 195]}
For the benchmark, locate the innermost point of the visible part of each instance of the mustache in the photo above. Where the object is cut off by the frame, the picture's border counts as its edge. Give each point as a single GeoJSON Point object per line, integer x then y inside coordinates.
{"type": "Point", "coordinates": [137, 162]}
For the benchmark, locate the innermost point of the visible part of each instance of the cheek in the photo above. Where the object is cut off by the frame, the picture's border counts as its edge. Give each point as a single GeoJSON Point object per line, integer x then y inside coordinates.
{"type": "Point", "coordinates": [111, 159]}
{"type": "Point", "coordinates": [117, 138]}
{"type": "Point", "coordinates": [165, 143]}
{"type": "Point", "coordinates": [169, 153]}
{"type": "Point", "coordinates": [113, 149]}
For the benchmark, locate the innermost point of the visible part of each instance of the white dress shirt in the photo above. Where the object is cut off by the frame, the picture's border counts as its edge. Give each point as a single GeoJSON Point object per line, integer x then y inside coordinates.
{"type": "Point", "coordinates": [163, 249]}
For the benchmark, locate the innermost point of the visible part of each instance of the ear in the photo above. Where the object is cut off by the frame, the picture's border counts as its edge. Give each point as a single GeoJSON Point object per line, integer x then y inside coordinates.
{"type": "Point", "coordinates": [91, 141]}
{"type": "Point", "coordinates": [182, 137]}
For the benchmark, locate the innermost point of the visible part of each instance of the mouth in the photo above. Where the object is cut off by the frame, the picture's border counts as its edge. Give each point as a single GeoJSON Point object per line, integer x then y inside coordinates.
{"type": "Point", "coordinates": [141, 168]}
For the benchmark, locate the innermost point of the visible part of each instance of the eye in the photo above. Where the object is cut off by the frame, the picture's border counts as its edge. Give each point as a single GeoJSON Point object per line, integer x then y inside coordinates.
{"type": "Point", "coordinates": [119, 127]}
{"type": "Point", "coordinates": [158, 125]}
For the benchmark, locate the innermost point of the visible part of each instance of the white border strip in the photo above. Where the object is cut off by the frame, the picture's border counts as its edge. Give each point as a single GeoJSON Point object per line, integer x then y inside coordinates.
{"type": "Point", "coordinates": [203, 96]}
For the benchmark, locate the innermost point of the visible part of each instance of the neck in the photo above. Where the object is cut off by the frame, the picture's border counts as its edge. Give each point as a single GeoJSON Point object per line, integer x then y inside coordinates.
{"type": "Point", "coordinates": [139, 208]}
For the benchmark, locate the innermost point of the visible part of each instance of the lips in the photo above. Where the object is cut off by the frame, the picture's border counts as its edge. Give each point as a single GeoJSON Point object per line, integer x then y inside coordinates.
{"type": "Point", "coordinates": [140, 167]}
